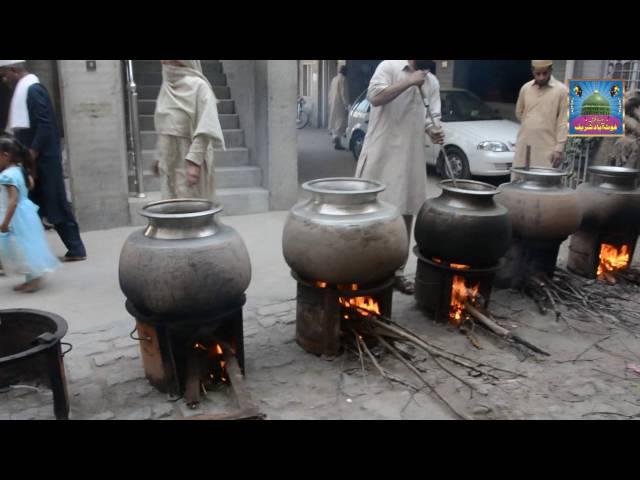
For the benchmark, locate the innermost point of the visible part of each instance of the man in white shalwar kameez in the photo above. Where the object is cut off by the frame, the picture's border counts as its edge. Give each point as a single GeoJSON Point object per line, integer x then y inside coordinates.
{"type": "Point", "coordinates": [394, 147]}
{"type": "Point", "coordinates": [339, 107]}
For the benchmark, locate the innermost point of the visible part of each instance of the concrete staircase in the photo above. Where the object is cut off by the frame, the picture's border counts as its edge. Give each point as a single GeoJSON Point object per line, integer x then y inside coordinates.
{"type": "Point", "coordinates": [238, 184]}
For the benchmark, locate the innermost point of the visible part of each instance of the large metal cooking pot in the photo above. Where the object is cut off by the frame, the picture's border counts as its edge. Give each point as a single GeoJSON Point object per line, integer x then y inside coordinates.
{"type": "Point", "coordinates": [185, 261]}
{"type": "Point", "coordinates": [540, 206]}
{"type": "Point", "coordinates": [464, 225]}
{"type": "Point", "coordinates": [343, 234]}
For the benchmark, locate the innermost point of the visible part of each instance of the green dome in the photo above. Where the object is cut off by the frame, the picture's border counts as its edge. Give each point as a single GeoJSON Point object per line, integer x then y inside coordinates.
{"type": "Point", "coordinates": [595, 104]}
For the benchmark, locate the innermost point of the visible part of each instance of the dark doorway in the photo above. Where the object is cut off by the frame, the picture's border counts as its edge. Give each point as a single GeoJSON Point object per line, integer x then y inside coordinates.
{"type": "Point", "coordinates": [492, 80]}
{"type": "Point", "coordinates": [360, 72]}
{"type": "Point", "coordinates": [5, 100]}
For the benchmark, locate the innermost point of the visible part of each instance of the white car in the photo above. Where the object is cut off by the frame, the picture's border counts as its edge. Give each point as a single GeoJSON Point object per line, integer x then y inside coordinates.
{"type": "Point", "coordinates": [477, 140]}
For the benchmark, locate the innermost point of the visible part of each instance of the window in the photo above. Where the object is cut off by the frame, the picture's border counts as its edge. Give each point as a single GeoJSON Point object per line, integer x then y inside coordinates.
{"type": "Point", "coordinates": [363, 106]}
{"type": "Point", "coordinates": [627, 70]}
{"type": "Point", "coordinates": [463, 106]}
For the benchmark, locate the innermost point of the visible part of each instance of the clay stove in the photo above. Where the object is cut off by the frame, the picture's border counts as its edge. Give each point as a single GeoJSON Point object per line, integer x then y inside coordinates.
{"type": "Point", "coordinates": [186, 355]}
{"type": "Point", "coordinates": [323, 311]}
{"type": "Point", "coordinates": [30, 352]}
{"type": "Point", "coordinates": [608, 234]}
{"type": "Point", "coordinates": [442, 289]}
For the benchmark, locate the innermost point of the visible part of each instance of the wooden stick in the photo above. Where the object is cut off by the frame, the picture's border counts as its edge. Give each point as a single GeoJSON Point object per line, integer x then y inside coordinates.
{"type": "Point", "coordinates": [396, 354]}
{"type": "Point", "coordinates": [590, 347]}
{"type": "Point", "coordinates": [404, 334]}
{"type": "Point", "coordinates": [503, 332]}
{"type": "Point", "coordinates": [364, 372]}
{"type": "Point", "coordinates": [371, 357]}
{"type": "Point", "coordinates": [419, 343]}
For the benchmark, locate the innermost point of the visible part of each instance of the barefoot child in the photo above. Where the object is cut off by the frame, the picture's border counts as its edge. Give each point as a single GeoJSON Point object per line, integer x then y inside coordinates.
{"type": "Point", "coordinates": [23, 245]}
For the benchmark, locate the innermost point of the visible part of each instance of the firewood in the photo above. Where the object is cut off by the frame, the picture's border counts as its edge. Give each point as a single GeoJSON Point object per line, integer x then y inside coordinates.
{"type": "Point", "coordinates": [406, 335]}
{"type": "Point", "coordinates": [396, 354]}
{"type": "Point", "coordinates": [503, 332]}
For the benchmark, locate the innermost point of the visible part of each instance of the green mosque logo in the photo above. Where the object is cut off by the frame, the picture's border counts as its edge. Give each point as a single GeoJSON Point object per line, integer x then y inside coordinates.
{"type": "Point", "coordinates": [595, 104]}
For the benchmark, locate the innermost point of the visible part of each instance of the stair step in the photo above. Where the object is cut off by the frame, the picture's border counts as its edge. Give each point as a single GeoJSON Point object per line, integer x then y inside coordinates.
{"type": "Point", "coordinates": [235, 201]}
{"type": "Point", "coordinates": [225, 177]}
{"type": "Point", "coordinates": [231, 157]}
{"type": "Point", "coordinates": [147, 66]}
{"type": "Point", "coordinates": [228, 122]}
{"type": "Point", "coordinates": [148, 107]}
{"type": "Point", "coordinates": [243, 201]}
{"type": "Point", "coordinates": [155, 78]}
{"type": "Point", "coordinates": [150, 92]}
{"type": "Point", "coordinates": [232, 139]}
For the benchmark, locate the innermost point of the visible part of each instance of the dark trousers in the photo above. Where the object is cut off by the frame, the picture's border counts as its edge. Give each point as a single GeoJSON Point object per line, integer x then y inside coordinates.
{"type": "Point", "coordinates": [69, 233]}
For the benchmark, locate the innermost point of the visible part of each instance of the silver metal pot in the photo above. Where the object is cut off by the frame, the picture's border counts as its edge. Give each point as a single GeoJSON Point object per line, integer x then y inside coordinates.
{"type": "Point", "coordinates": [540, 206]}
{"type": "Point", "coordinates": [344, 234]}
{"type": "Point", "coordinates": [185, 261]}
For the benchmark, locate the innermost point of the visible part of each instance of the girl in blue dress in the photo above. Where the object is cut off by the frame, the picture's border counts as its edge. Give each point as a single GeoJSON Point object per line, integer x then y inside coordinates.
{"type": "Point", "coordinates": [23, 245]}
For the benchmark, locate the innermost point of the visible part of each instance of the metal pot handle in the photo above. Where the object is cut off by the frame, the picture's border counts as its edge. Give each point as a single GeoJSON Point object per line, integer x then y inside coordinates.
{"type": "Point", "coordinates": [146, 339]}
{"type": "Point", "coordinates": [66, 351]}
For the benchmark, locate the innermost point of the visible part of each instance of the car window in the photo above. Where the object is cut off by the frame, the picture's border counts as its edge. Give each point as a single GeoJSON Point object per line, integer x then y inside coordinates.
{"type": "Point", "coordinates": [363, 106]}
{"type": "Point", "coordinates": [463, 106]}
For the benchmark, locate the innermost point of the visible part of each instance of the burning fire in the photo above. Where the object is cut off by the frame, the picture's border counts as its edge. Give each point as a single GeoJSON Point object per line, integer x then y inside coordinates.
{"type": "Point", "coordinates": [364, 303]}
{"type": "Point", "coordinates": [215, 354]}
{"type": "Point", "coordinates": [611, 259]}
{"type": "Point", "coordinates": [457, 266]}
{"type": "Point", "coordinates": [461, 294]}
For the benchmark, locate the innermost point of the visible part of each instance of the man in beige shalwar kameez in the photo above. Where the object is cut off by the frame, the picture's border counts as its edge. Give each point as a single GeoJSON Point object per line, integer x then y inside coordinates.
{"type": "Point", "coordinates": [394, 147]}
{"type": "Point", "coordinates": [542, 109]}
{"type": "Point", "coordinates": [188, 128]}
{"type": "Point", "coordinates": [339, 107]}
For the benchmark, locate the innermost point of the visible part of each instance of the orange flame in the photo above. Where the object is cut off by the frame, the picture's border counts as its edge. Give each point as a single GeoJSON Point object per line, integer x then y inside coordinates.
{"type": "Point", "coordinates": [460, 294]}
{"type": "Point", "coordinates": [459, 266]}
{"type": "Point", "coordinates": [218, 349]}
{"type": "Point", "coordinates": [611, 259]}
{"type": "Point", "coordinates": [320, 284]}
{"type": "Point", "coordinates": [364, 303]}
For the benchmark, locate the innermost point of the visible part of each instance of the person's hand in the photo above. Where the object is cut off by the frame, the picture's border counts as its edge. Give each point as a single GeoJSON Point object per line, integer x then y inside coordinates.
{"type": "Point", "coordinates": [156, 168]}
{"type": "Point", "coordinates": [417, 77]}
{"type": "Point", "coordinates": [31, 182]}
{"type": "Point", "coordinates": [193, 173]}
{"type": "Point", "coordinates": [436, 135]}
{"type": "Point", "coordinates": [556, 159]}
{"type": "Point", "coordinates": [4, 228]}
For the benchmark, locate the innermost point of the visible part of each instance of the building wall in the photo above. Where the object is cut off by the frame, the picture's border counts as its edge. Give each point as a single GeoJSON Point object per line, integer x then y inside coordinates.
{"type": "Point", "coordinates": [241, 79]}
{"type": "Point", "coordinates": [276, 134]}
{"type": "Point", "coordinates": [94, 120]}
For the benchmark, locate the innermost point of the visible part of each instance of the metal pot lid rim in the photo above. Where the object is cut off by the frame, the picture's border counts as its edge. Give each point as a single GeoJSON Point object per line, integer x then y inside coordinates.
{"type": "Point", "coordinates": [613, 171]}
{"type": "Point", "coordinates": [375, 187]}
{"type": "Point", "coordinates": [448, 186]}
{"type": "Point", "coordinates": [215, 208]}
{"type": "Point", "coordinates": [540, 172]}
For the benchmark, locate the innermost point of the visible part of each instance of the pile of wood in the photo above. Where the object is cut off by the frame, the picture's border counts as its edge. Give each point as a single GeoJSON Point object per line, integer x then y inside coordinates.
{"type": "Point", "coordinates": [366, 332]}
{"type": "Point", "coordinates": [612, 302]}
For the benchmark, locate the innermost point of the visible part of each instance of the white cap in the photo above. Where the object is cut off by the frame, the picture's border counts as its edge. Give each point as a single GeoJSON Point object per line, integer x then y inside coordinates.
{"type": "Point", "coordinates": [6, 63]}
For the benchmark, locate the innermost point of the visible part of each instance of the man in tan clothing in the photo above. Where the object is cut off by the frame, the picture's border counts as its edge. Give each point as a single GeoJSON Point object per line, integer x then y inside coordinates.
{"type": "Point", "coordinates": [338, 107]}
{"type": "Point", "coordinates": [542, 109]}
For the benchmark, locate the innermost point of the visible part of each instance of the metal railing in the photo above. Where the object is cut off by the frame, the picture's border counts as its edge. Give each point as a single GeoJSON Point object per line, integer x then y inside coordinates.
{"type": "Point", "coordinates": [134, 152]}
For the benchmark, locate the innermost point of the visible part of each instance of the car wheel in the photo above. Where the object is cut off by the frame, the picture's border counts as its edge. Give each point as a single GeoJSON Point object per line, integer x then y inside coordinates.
{"type": "Point", "coordinates": [357, 140]}
{"type": "Point", "coordinates": [458, 161]}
